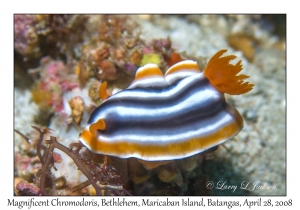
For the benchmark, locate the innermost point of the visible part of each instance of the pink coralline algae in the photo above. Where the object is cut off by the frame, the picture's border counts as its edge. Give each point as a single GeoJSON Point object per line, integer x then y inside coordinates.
{"type": "Point", "coordinates": [26, 39]}
{"type": "Point", "coordinates": [37, 35]}
{"type": "Point", "coordinates": [54, 80]}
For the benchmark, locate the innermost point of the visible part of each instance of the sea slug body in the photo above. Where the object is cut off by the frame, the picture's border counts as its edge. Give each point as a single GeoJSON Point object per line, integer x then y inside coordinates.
{"type": "Point", "coordinates": [172, 116]}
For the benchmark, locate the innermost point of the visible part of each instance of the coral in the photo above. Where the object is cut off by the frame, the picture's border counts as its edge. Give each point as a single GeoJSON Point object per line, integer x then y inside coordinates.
{"type": "Point", "coordinates": [26, 39]}
{"type": "Point", "coordinates": [77, 106]}
{"type": "Point", "coordinates": [64, 31]}
{"type": "Point", "coordinates": [111, 28]}
{"type": "Point", "coordinates": [94, 90]}
{"type": "Point", "coordinates": [22, 187]}
{"type": "Point", "coordinates": [115, 50]}
{"type": "Point", "coordinates": [99, 54]}
{"type": "Point", "coordinates": [107, 71]}
{"type": "Point", "coordinates": [56, 34]}
{"type": "Point", "coordinates": [53, 79]}
{"type": "Point", "coordinates": [40, 96]}
{"type": "Point", "coordinates": [117, 46]}
{"type": "Point", "coordinates": [82, 73]}
{"type": "Point", "coordinates": [136, 57]}
{"type": "Point", "coordinates": [163, 46]}
{"type": "Point", "coordinates": [119, 49]}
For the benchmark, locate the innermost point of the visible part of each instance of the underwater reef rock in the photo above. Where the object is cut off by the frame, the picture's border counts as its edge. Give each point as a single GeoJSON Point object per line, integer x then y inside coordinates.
{"type": "Point", "coordinates": [120, 44]}
{"type": "Point", "coordinates": [56, 35]}
{"type": "Point", "coordinates": [26, 40]}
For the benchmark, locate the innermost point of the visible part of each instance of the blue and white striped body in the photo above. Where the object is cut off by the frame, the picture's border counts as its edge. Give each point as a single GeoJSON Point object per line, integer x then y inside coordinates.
{"type": "Point", "coordinates": [173, 120]}
{"type": "Point", "coordinates": [172, 116]}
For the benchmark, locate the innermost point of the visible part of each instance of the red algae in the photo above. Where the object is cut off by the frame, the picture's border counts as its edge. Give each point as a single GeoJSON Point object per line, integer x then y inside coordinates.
{"type": "Point", "coordinates": [108, 181]}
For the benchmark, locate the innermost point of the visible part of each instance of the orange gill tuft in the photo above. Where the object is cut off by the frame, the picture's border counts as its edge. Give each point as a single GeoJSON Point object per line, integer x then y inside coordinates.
{"type": "Point", "coordinates": [223, 75]}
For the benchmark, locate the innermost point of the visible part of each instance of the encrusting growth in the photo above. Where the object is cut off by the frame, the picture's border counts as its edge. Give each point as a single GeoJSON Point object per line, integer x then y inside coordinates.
{"type": "Point", "coordinates": [223, 75]}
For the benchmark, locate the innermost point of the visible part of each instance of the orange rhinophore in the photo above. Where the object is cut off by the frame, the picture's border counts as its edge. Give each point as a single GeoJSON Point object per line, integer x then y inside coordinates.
{"type": "Point", "coordinates": [102, 91]}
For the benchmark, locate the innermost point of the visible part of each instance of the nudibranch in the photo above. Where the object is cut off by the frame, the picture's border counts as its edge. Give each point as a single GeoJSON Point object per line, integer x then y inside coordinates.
{"type": "Point", "coordinates": [172, 116]}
